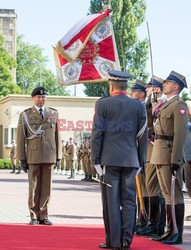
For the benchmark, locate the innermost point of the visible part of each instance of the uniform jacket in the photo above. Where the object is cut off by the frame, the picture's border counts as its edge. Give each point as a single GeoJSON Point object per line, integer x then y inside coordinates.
{"type": "Point", "coordinates": [45, 149]}
{"type": "Point", "coordinates": [117, 121]}
{"type": "Point", "coordinates": [171, 120]}
{"type": "Point", "coordinates": [13, 152]}
{"type": "Point", "coordinates": [187, 146]}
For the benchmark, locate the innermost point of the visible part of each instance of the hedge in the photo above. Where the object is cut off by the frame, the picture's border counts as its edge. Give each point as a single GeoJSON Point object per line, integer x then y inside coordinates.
{"type": "Point", "coordinates": [5, 163]}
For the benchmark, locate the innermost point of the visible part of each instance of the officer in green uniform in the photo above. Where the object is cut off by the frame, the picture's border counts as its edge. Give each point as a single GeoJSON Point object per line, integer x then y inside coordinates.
{"type": "Point", "coordinates": [167, 155]}
{"type": "Point", "coordinates": [38, 149]}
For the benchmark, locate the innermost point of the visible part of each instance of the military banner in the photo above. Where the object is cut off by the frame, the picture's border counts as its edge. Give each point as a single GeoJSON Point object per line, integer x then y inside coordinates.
{"type": "Point", "coordinates": [87, 51]}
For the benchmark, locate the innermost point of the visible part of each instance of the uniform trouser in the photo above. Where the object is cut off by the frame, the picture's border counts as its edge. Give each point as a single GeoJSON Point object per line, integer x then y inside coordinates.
{"type": "Point", "coordinates": [165, 178]}
{"type": "Point", "coordinates": [63, 165]}
{"type": "Point", "coordinates": [105, 212]}
{"type": "Point", "coordinates": [88, 167]}
{"type": "Point", "coordinates": [121, 199]}
{"type": "Point", "coordinates": [187, 174]}
{"type": "Point", "coordinates": [151, 180]}
{"type": "Point", "coordinates": [40, 181]}
{"type": "Point", "coordinates": [85, 159]}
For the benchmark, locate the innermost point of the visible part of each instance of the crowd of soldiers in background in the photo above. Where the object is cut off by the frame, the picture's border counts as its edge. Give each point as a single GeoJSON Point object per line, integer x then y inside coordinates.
{"type": "Point", "coordinates": [76, 159]}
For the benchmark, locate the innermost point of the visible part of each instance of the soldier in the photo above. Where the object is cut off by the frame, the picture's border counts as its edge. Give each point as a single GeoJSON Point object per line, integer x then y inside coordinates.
{"type": "Point", "coordinates": [167, 155]}
{"type": "Point", "coordinates": [12, 156]}
{"type": "Point", "coordinates": [38, 149]}
{"type": "Point", "coordinates": [79, 158]}
{"type": "Point", "coordinates": [118, 121]}
{"type": "Point", "coordinates": [157, 213]}
{"type": "Point", "coordinates": [63, 164]}
{"type": "Point", "coordinates": [85, 159]}
{"type": "Point", "coordinates": [71, 158]}
{"type": "Point", "coordinates": [187, 150]}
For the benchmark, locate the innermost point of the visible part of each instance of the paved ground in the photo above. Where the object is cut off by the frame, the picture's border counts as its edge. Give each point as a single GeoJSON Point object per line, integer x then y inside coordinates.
{"type": "Point", "coordinates": [73, 202]}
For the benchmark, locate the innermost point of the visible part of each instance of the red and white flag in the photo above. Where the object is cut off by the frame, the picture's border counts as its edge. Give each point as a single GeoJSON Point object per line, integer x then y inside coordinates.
{"type": "Point", "coordinates": [87, 51]}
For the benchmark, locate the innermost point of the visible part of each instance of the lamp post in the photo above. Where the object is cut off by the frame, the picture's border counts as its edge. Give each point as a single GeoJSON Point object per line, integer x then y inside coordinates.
{"type": "Point", "coordinates": [35, 61]}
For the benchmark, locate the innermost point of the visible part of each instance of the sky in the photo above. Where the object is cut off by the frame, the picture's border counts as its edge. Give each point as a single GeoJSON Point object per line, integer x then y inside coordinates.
{"type": "Point", "coordinates": [46, 22]}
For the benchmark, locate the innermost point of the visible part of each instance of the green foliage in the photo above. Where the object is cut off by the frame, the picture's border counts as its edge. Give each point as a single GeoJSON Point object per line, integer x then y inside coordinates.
{"type": "Point", "coordinates": [185, 96]}
{"type": "Point", "coordinates": [32, 72]}
{"type": "Point", "coordinates": [133, 53]}
{"type": "Point", "coordinates": [5, 163]}
{"type": "Point", "coordinates": [7, 63]}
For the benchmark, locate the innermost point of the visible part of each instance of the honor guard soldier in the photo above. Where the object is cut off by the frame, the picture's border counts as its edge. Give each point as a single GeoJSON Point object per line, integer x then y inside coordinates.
{"type": "Point", "coordinates": [119, 142]}
{"type": "Point", "coordinates": [38, 149]}
{"type": "Point", "coordinates": [156, 202]}
{"type": "Point", "coordinates": [167, 155]}
{"type": "Point", "coordinates": [71, 157]}
{"type": "Point", "coordinates": [187, 151]}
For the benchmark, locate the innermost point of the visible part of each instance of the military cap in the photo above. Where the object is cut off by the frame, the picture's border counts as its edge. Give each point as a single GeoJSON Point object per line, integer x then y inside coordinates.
{"type": "Point", "coordinates": [178, 78]}
{"type": "Point", "coordinates": [38, 91]}
{"type": "Point", "coordinates": [118, 75]}
{"type": "Point", "coordinates": [156, 82]}
{"type": "Point", "coordinates": [139, 85]}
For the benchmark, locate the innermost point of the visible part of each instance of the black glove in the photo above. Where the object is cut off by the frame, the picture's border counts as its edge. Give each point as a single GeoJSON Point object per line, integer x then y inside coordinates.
{"type": "Point", "coordinates": [24, 165]}
{"type": "Point", "coordinates": [174, 168]}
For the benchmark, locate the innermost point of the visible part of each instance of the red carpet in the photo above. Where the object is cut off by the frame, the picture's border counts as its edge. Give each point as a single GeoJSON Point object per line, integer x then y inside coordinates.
{"type": "Point", "coordinates": [21, 236]}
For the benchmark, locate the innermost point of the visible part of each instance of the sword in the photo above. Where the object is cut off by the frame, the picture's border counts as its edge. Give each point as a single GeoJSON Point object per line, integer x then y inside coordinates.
{"type": "Point", "coordinates": [140, 196]}
{"type": "Point", "coordinates": [102, 182]}
{"type": "Point", "coordinates": [173, 182]}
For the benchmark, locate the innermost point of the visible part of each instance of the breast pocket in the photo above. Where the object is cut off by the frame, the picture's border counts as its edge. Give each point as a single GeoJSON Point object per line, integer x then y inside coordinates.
{"type": "Point", "coordinates": [167, 122]}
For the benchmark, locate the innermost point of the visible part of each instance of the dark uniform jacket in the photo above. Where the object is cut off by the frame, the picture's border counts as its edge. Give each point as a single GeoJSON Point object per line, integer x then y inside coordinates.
{"type": "Point", "coordinates": [117, 121]}
{"type": "Point", "coordinates": [41, 149]}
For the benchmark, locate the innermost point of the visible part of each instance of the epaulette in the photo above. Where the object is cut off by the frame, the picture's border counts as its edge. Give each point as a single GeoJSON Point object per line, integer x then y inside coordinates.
{"type": "Point", "coordinates": [27, 109]}
{"type": "Point", "coordinates": [53, 108]}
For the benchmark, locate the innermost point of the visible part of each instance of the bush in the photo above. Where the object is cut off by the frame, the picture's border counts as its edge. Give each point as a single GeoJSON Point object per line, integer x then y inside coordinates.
{"type": "Point", "coordinates": [5, 163]}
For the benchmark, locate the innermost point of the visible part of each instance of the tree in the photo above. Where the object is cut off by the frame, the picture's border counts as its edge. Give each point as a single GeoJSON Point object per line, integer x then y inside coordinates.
{"type": "Point", "coordinates": [7, 63]}
{"type": "Point", "coordinates": [133, 53]}
{"type": "Point", "coordinates": [31, 69]}
{"type": "Point", "coordinates": [185, 96]}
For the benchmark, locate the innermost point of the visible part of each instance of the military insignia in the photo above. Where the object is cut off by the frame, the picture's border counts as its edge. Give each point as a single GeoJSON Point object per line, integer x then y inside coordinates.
{"type": "Point", "coordinates": [182, 111]}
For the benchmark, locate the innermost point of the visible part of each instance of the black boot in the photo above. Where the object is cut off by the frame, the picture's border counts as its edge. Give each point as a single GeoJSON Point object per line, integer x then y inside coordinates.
{"type": "Point", "coordinates": [154, 215]}
{"type": "Point", "coordinates": [169, 226]}
{"type": "Point", "coordinates": [176, 238]}
{"type": "Point", "coordinates": [85, 178]}
{"type": "Point", "coordinates": [162, 220]}
{"type": "Point", "coordinates": [13, 171]}
{"type": "Point", "coordinates": [142, 220]}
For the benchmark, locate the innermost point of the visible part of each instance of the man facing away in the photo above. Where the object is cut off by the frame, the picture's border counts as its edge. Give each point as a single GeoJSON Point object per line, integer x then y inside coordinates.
{"type": "Point", "coordinates": [38, 148]}
{"type": "Point", "coordinates": [117, 121]}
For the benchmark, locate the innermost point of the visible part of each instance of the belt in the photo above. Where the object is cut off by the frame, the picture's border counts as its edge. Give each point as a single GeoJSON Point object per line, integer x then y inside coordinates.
{"type": "Point", "coordinates": [164, 137]}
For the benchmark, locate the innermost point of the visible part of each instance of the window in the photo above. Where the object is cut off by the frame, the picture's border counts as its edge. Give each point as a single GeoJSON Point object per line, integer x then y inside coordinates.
{"type": "Point", "coordinates": [6, 133]}
{"type": "Point", "coordinates": [9, 135]}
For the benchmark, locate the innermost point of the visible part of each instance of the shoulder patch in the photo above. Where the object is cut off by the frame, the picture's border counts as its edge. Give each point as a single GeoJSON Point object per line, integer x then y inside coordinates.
{"type": "Point", "coordinates": [182, 111]}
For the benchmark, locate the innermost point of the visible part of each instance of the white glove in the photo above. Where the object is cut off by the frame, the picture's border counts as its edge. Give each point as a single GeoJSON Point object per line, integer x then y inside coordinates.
{"type": "Point", "coordinates": [99, 170]}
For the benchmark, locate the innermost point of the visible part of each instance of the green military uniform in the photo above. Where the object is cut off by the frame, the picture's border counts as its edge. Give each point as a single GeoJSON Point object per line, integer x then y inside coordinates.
{"type": "Point", "coordinates": [39, 144]}
{"type": "Point", "coordinates": [12, 156]}
{"type": "Point", "coordinates": [170, 134]}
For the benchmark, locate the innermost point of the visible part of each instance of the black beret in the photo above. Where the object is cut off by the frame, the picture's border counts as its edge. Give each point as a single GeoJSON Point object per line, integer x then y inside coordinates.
{"type": "Point", "coordinates": [38, 91]}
